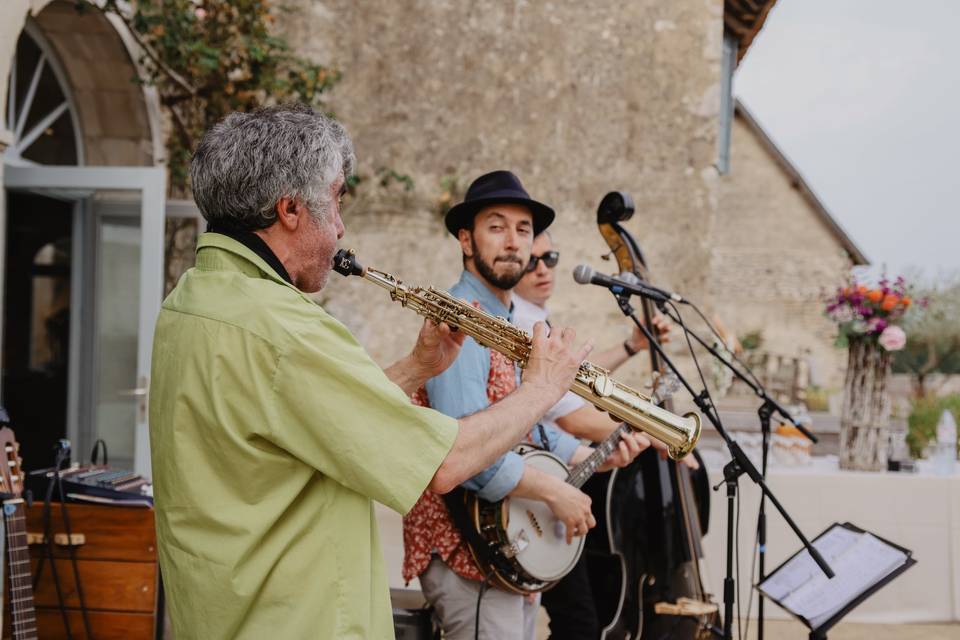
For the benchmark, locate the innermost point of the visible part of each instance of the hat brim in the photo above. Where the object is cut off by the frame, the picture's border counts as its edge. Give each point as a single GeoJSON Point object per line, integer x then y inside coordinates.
{"type": "Point", "coordinates": [461, 216]}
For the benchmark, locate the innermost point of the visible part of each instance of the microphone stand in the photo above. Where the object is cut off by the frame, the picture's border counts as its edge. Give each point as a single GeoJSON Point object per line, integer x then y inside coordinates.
{"type": "Point", "coordinates": [766, 410]}
{"type": "Point", "coordinates": [739, 465]}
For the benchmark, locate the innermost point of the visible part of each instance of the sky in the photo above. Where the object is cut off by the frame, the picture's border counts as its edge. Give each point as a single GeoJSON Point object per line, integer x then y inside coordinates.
{"type": "Point", "coordinates": [863, 96]}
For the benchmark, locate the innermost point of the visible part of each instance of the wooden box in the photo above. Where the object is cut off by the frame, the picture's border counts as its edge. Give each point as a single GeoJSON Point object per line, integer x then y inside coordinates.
{"type": "Point", "coordinates": [119, 575]}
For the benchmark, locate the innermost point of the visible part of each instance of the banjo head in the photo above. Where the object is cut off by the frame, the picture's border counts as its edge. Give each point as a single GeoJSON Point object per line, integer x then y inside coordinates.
{"type": "Point", "coordinates": [546, 555]}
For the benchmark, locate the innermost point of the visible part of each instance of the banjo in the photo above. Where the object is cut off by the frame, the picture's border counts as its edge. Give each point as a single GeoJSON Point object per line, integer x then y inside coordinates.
{"type": "Point", "coordinates": [517, 542]}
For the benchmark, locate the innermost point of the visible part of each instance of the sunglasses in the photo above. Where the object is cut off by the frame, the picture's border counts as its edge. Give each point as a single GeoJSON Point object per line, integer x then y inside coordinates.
{"type": "Point", "coordinates": [550, 259]}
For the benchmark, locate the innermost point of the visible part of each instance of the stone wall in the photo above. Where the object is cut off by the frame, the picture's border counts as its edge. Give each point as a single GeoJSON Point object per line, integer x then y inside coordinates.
{"type": "Point", "coordinates": [577, 98]}
{"type": "Point", "coordinates": [774, 258]}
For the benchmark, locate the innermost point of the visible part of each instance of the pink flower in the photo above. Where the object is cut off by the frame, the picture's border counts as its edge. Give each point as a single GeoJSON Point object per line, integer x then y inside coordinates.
{"type": "Point", "coordinates": [876, 325]}
{"type": "Point", "coordinates": [893, 338]}
{"type": "Point", "coordinates": [200, 12]}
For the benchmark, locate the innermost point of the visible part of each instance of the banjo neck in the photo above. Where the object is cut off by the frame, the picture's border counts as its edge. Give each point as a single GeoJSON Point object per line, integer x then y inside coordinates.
{"type": "Point", "coordinates": [582, 472]}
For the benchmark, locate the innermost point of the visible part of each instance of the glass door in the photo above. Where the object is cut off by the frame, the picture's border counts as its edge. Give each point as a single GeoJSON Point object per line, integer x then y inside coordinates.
{"type": "Point", "coordinates": [116, 285]}
{"type": "Point", "coordinates": [119, 392]}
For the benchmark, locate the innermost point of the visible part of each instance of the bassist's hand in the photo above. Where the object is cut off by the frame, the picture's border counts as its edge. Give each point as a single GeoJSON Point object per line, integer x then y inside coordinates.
{"type": "Point", "coordinates": [661, 330]}
{"type": "Point", "coordinates": [689, 460]}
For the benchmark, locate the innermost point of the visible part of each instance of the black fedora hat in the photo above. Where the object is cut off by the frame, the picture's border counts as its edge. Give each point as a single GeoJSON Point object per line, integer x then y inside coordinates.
{"type": "Point", "coordinates": [494, 188]}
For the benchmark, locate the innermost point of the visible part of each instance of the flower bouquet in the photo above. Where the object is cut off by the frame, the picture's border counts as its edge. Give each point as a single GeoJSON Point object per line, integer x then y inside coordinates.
{"type": "Point", "coordinates": [867, 320]}
{"type": "Point", "coordinates": [870, 314]}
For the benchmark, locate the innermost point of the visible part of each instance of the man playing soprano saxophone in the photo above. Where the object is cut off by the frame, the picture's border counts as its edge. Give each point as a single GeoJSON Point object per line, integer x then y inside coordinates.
{"type": "Point", "coordinates": [495, 226]}
{"type": "Point", "coordinates": [271, 428]}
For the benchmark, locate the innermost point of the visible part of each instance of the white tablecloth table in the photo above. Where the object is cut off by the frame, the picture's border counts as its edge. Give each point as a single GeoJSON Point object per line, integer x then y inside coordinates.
{"type": "Point", "coordinates": [918, 511]}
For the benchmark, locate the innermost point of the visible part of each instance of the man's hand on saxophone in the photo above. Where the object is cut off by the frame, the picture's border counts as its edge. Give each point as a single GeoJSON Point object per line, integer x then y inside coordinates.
{"type": "Point", "coordinates": [553, 361]}
{"type": "Point", "coordinates": [485, 435]}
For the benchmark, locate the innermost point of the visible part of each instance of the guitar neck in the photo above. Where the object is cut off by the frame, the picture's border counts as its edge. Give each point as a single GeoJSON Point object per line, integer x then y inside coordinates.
{"type": "Point", "coordinates": [582, 472]}
{"type": "Point", "coordinates": [24, 618]}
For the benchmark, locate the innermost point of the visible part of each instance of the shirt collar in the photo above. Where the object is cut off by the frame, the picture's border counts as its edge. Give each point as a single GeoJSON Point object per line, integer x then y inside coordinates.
{"type": "Point", "coordinates": [472, 288]}
{"type": "Point", "coordinates": [256, 244]}
{"type": "Point", "coordinates": [242, 258]}
{"type": "Point", "coordinates": [529, 309]}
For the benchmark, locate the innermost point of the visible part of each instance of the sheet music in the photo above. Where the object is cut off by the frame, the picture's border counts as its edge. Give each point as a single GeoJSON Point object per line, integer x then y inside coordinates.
{"type": "Point", "coordinates": [802, 568]}
{"type": "Point", "coordinates": [859, 560]}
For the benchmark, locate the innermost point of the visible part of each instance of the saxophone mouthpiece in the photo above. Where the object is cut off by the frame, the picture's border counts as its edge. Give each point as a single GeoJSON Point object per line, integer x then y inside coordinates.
{"type": "Point", "coordinates": [345, 263]}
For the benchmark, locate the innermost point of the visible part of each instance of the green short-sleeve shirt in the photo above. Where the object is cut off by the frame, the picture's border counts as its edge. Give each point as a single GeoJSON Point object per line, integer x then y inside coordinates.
{"type": "Point", "coordinates": [271, 432]}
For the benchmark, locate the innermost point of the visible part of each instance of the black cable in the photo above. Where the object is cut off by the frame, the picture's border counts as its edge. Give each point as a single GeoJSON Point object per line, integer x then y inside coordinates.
{"type": "Point", "coordinates": [476, 625]}
{"type": "Point", "coordinates": [736, 551]}
{"type": "Point", "coordinates": [693, 356]}
{"type": "Point", "coordinates": [49, 545]}
{"type": "Point", "coordinates": [716, 415]}
{"type": "Point", "coordinates": [733, 354]}
{"type": "Point", "coordinates": [756, 542]}
{"type": "Point", "coordinates": [73, 554]}
{"type": "Point", "coordinates": [753, 569]}
{"type": "Point", "coordinates": [99, 445]}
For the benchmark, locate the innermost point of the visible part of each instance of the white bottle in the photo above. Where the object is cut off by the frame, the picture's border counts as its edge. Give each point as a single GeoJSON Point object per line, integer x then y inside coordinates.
{"type": "Point", "coordinates": [946, 457]}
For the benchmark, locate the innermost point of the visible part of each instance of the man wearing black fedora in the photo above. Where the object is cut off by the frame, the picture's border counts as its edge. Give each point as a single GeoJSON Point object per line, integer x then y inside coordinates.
{"type": "Point", "coordinates": [495, 226]}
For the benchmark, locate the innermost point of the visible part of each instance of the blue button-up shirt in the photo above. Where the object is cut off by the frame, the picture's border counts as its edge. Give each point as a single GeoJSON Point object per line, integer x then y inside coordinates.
{"type": "Point", "coordinates": [462, 390]}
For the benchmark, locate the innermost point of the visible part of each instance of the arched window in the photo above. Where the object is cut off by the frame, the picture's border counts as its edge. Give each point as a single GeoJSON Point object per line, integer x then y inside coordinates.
{"type": "Point", "coordinates": [39, 107]}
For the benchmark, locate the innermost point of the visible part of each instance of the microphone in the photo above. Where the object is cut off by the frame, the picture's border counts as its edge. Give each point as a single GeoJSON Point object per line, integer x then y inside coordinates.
{"type": "Point", "coordinates": [584, 274]}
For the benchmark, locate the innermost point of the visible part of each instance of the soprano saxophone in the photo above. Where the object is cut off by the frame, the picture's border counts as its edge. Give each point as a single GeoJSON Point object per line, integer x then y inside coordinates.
{"type": "Point", "coordinates": [592, 383]}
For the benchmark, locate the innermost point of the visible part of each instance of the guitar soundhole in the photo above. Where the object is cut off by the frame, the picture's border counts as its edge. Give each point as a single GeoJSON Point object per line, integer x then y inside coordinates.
{"type": "Point", "coordinates": [534, 523]}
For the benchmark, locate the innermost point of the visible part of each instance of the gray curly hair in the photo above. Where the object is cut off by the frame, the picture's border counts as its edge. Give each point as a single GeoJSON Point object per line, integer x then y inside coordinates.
{"type": "Point", "coordinates": [248, 161]}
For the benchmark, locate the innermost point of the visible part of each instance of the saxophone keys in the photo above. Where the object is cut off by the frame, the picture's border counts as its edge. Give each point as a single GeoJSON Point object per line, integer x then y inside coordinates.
{"type": "Point", "coordinates": [603, 386]}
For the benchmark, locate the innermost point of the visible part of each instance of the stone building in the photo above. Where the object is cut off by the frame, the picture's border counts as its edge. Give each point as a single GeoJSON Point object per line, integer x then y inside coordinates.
{"type": "Point", "coordinates": [577, 98]}
{"type": "Point", "coordinates": [776, 251]}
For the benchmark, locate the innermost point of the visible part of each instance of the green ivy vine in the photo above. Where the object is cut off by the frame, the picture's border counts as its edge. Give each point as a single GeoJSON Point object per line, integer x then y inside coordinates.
{"type": "Point", "coordinates": [208, 58]}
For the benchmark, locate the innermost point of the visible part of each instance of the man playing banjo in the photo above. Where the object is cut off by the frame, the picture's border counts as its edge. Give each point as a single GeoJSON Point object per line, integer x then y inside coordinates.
{"type": "Point", "coordinates": [495, 226]}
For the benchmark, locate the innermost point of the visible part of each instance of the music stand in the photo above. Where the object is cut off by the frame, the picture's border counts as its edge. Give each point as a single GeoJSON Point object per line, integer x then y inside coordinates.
{"type": "Point", "coordinates": [857, 589]}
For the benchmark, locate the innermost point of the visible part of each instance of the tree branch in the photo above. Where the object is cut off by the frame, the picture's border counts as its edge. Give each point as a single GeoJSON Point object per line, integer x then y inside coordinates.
{"type": "Point", "coordinates": [181, 128]}
{"type": "Point", "coordinates": [176, 78]}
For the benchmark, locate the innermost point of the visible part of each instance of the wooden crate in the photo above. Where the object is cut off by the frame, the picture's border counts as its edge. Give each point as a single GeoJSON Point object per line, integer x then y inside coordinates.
{"type": "Point", "coordinates": [118, 573]}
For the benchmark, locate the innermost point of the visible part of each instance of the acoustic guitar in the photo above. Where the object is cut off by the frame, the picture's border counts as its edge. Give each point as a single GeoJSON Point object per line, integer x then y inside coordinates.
{"type": "Point", "coordinates": [23, 616]}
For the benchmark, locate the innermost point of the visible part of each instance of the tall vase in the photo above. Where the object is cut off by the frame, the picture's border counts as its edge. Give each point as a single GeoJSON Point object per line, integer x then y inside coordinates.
{"type": "Point", "coordinates": [866, 408]}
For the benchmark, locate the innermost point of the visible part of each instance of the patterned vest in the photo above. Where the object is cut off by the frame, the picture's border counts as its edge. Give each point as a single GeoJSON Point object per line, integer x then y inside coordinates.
{"type": "Point", "coordinates": [428, 529]}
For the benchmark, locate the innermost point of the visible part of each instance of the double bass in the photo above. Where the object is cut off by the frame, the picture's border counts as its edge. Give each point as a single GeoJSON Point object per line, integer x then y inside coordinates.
{"type": "Point", "coordinates": [644, 555]}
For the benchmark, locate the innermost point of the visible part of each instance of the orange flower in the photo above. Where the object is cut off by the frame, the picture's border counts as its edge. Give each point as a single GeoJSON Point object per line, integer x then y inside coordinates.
{"type": "Point", "coordinates": [862, 289]}
{"type": "Point", "coordinates": [906, 301]}
{"type": "Point", "coordinates": [875, 295]}
{"type": "Point", "coordinates": [889, 302]}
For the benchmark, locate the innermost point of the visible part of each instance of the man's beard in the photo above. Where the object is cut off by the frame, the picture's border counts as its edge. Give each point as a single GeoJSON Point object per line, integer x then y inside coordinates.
{"type": "Point", "coordinates": [504, 282]}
